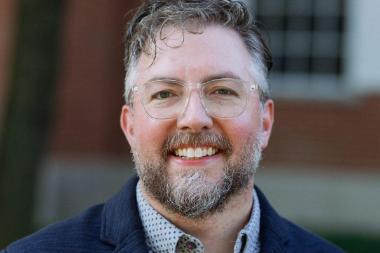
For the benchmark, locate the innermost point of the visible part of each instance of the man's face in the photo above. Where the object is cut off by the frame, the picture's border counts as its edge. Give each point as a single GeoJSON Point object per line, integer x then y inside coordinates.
{"type": "Point", "coordinates": [195, 187]}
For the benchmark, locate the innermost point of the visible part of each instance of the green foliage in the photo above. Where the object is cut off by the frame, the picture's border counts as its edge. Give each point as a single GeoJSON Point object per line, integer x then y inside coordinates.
{"type": "Point", "coordinates": [354, 243]}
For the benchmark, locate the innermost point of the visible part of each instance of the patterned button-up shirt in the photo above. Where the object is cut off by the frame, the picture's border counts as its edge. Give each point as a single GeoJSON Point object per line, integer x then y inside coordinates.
{"type": "Point", "coordinates": [162, 236]}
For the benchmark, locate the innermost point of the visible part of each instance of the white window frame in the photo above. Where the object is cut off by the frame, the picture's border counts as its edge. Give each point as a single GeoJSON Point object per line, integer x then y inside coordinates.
{"type": "Point", "coordinates": [360, 71]}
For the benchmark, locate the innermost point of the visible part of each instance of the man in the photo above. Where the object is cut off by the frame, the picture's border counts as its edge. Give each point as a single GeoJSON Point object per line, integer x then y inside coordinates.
{"type": "Point", "coordinates": [197, 116]}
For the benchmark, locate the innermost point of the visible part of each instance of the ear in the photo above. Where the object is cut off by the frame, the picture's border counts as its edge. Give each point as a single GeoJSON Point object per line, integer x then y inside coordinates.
{"type": "Point", "coordinates": [127, 123]}
{"type": "Point", "coordinates": [267, 122]}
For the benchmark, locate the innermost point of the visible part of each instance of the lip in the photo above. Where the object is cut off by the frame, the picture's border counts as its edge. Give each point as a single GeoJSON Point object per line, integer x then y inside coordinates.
{"type": "Point", "coordinates": [196, 146]}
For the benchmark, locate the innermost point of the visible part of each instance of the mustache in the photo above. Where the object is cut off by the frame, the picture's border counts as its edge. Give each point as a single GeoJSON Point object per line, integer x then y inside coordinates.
{"type": "Point", "coordinates": [212, 139]}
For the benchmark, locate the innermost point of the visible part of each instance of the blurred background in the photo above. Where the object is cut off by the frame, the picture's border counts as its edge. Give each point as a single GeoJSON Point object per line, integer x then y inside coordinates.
{"type": "Point", "coordinates": [61, 85]}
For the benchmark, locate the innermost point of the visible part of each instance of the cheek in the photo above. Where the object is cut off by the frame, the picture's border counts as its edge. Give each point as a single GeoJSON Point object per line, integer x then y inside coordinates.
{"type": "Point", "coordinates": [243, 129]}
{"type": "Point", "coordinates": [240, 137]}
{"type": "Point", "coordinates": [150, 134]}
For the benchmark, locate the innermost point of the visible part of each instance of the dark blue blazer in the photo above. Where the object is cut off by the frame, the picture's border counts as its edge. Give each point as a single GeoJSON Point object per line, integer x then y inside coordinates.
{"type": "Point", "coordinates": [116, 227]}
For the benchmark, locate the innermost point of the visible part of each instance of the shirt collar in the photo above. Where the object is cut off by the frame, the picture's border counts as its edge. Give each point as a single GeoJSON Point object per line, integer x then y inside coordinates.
{"type": "Point", "coordinates": [251, 230]}
{"type": "Point", "coordinates": [160, 234]}
{"type": "Point", "coordinates": [248, 237]}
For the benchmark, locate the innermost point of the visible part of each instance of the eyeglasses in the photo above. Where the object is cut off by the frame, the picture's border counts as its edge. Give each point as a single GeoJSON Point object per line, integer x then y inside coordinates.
{"type": "Point", "coordinates": [222, 98]}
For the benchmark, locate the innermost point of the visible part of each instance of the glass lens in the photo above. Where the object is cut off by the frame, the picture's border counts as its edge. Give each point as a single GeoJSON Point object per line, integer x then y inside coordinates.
{"type": "Point", "coordinates": [163, 99]}
{"type": "Point", "coordinates": [224, 98]}
{"type": "Point", "coordinates": [166, 99]}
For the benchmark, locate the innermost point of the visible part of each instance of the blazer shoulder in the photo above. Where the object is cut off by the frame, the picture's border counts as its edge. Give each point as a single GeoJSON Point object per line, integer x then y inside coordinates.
{"type": "Point", "coordinates": [74, 235]}
{"type": "Point", "coordinates": [306, 241]}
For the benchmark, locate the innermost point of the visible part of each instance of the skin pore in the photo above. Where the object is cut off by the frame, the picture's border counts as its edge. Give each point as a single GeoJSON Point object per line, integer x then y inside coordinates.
{"type": "Point", "coordinates": [214, 52]}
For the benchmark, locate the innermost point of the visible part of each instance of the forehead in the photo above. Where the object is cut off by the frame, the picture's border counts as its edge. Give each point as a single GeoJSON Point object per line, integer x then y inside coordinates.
{"type": "Point", "coordinates": [193, 57]}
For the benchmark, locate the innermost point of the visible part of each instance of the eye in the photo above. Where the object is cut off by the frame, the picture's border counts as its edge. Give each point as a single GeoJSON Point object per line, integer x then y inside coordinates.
{"type": "Point", "coordinates": [223, 91]}
{"type": "Point", "coordinates": [161, 95]}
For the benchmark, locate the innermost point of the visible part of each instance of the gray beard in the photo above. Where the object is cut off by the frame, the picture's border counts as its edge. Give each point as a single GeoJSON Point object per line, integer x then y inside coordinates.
{"type": "Point", "coordinates": [191, 194]}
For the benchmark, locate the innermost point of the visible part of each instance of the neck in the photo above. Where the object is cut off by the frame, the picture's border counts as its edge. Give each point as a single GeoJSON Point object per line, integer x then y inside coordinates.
{"type": "Point", "coordinates": [218, 232]}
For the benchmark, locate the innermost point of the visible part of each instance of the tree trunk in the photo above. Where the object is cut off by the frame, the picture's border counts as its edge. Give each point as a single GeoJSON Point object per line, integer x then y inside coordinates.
{"type": "Point", "coordinates": [25, 128]}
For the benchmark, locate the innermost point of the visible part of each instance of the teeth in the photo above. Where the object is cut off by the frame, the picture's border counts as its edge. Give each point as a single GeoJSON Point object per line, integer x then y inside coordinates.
{"type": "Point", "coordinates": [195, 152]}
{"type": "Point", "coordinates": [210, 151]}
{"type": "Point", "coordinates": [190, 152]}
{"type": "Point", "coordinates": [198, 152]}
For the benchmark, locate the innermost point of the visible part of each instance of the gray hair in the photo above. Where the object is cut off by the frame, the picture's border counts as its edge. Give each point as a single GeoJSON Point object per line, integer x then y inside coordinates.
{"type": "Point", "coordinates": [154, 15]}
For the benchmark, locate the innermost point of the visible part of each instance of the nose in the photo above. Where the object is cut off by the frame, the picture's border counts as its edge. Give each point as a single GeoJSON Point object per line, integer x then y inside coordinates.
{"type": "Point", "coordinates": [194, 118]}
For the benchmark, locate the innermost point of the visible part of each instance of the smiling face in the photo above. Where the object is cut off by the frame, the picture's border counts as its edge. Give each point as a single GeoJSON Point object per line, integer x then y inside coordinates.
{"type": "Point", "coordinates": [192, 164]}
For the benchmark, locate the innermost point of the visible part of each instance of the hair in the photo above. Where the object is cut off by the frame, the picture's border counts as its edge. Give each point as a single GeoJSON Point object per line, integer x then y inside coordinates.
{"type": "Point", "coordinates": [154, 15]}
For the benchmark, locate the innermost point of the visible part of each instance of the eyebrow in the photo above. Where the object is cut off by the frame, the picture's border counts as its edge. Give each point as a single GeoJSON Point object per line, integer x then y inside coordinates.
{"type": "Point", "coordinates": [227, 74]}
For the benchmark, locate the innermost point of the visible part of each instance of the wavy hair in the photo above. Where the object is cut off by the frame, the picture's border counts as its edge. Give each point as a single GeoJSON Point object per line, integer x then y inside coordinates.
{"type": "Point", "coordinates": [150, 19]}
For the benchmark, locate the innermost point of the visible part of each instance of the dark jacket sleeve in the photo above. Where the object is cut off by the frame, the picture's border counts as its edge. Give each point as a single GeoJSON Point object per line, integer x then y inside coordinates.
{"type": "Point", "coordinates": [75, 235]}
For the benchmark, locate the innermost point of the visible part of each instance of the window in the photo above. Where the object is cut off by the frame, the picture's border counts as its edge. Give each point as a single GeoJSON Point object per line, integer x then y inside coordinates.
{"type": "Point", "coordinates": [306, 40]}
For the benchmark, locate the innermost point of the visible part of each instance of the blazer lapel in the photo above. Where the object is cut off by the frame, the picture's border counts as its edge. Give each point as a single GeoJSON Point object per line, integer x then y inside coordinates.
{"type": "Point", "coordinates": [273, 230]}
{"type": "Point", "coordinates": [121, 225]}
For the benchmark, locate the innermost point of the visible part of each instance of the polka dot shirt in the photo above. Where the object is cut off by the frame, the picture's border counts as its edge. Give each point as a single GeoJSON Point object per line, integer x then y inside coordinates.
{"type": "Point", "coordinates": [161, 236]}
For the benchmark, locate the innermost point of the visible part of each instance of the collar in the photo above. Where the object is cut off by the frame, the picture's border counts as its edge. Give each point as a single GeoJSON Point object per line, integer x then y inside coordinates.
{"type": "Point", "coordinates": [251, 230]}
{"type": "Point", "coordinates": [121, 225]}
{"type": "Point", "coordinates": [163, 236]}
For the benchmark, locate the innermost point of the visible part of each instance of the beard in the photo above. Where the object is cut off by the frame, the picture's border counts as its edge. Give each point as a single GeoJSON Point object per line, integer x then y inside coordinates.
{"type": "Point", "coordinates": [190, 194]}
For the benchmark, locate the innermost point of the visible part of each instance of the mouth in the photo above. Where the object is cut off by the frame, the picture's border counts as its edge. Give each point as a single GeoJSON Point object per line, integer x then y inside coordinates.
{"type": "Point", "coordinates": [192, 153]}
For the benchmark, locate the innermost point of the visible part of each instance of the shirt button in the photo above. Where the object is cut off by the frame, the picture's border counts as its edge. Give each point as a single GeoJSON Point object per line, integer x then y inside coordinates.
{"type": "Point", "coordinates": [190, 245]}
